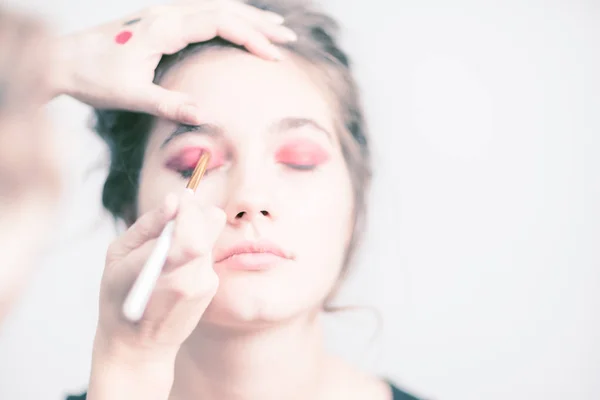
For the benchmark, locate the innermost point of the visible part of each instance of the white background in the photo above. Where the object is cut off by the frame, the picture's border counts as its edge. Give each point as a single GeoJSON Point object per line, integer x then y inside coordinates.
{"type": "Point", "coordinates": [483, 252]}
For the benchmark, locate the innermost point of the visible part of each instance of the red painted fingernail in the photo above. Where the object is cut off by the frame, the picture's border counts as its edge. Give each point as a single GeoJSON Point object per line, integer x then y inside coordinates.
{"type": "Point", "coordinates": [123, 37]}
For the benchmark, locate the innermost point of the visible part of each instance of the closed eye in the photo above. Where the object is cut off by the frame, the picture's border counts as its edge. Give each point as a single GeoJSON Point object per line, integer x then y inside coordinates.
{"type": "Point", "coordinates": [302, 155]}
{"type": "Point", "coordinates": [185, 161]}
{"type": "Point", "coordinates": [301, 167]}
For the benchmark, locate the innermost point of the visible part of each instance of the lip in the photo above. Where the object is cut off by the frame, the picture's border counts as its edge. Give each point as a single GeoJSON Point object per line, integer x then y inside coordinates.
{"type": "Point", "coordinates": [254, 256]}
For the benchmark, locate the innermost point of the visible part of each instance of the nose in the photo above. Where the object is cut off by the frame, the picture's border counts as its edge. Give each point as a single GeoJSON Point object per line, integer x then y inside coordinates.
{"type": "Point", "coordinates": [248, 201]}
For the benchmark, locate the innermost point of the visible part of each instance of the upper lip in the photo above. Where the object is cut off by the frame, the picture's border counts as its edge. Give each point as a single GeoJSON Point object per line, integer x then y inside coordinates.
{"type": "Point", "coordinates": [252, 248]}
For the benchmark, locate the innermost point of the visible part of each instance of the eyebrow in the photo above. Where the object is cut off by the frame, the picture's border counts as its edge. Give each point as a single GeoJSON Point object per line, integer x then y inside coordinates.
{"type": "Point", "coordinates": [283, 125]}
{"type": "Point", "coordinates": [290, 123]}
{"type": "Point", "coordinates": [202, 129]}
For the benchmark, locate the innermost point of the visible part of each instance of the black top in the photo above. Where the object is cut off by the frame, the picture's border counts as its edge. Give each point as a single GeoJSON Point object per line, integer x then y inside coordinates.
{"type": "Point", "coordinates": [397, 395]}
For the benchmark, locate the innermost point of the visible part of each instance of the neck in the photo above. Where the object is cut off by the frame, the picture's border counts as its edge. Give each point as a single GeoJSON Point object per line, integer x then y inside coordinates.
{"type": "Point", "coordinates": [269, 363]}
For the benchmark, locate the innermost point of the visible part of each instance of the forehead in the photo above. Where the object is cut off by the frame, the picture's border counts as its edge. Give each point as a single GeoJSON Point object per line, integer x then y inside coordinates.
{"type": "Point", "coordinates": [242, 92]}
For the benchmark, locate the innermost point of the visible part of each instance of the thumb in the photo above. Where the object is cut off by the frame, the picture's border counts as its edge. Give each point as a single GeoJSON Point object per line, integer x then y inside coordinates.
{"type": "Point", "coordinates": [148, 226]}
{"type": "Point", "coordinates": [169, 104]}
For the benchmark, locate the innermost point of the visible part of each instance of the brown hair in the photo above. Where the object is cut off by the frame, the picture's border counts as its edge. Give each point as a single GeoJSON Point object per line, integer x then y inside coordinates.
{"type": "Point", "coordinates": [316, 49]}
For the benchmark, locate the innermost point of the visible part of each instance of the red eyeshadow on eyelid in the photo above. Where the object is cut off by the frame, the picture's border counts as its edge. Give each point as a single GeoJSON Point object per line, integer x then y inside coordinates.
{"type": "Point", "coordinates": [123, 37]}
{"type": "Point", "coordinates": [302, 152]}
{"type": "Point", "coordinates": [188, 158]}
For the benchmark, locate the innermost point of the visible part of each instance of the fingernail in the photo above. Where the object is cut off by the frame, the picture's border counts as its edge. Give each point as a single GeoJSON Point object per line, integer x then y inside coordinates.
{"type": "Point", "coordinates": [187, 192]}
{"type": "Point", "coordinates": [275, 18]}
{"type": "Point", "coordinates": [170, 204]}
{"type": "Point", "coordinates": [290, 35]}
{"type": "Point", "coordinates": [190, 114]}
{"type": "Point", "coordinates": [276, 54]}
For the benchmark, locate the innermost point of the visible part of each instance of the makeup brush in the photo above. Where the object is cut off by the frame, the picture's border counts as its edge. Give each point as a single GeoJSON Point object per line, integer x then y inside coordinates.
{"type": "Point", "coordinates": [137, 299]}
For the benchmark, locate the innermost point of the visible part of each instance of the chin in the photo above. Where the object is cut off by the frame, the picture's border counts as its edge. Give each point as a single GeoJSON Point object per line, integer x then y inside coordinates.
{"type": "Point", "coordinates": [250, 309]}
{"type": "Point", "coordinates": [249, 303]}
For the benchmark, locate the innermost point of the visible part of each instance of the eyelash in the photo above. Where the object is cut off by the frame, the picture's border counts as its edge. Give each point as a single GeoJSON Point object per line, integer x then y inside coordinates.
{"type": "Point", "coordinates": [301, 168]}
{"type": "Point", "coordinates": [187, 173]}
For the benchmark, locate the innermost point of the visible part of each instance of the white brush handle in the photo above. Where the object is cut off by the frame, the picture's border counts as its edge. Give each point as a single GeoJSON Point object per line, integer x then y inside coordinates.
{"type": "Point", "coordinates": [137, 299]}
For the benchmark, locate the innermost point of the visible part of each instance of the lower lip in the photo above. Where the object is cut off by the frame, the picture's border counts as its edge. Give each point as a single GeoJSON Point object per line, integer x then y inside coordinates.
{"type": "Point", "coordinates": [251, 261]}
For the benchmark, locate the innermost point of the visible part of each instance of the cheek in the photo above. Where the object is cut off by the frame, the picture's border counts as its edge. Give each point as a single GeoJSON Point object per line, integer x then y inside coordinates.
{"type": "Point", "coordinates": [322, 230]}
{"type": "Point", "coordinates": [322, 219]}
{"type": "Point", "coordinates": [323, 199]}
{"type": "Point", "coordinates": [328, 206]}
{"type": "Point", "coordinates": [154, 185]}
{"type": "Point", "coordinates": [156, 182]}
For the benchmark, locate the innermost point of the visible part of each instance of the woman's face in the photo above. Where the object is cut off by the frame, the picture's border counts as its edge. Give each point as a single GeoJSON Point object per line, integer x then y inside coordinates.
{"type": "Point", "coordinates": [277, 171]}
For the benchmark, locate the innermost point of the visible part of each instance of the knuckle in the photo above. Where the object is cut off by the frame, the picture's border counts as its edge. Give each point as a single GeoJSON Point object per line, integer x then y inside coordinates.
{"type": "Point", "coordinates": [221, 217]}
{"type": "Point", "coordinates": [222, 16]}
{"type": "Point", "coordinates": [211, 282]}
{"type": "Point", "coordinates": [173, 258]}
{"type": "Point", "coordinates": [190, 251]}
{"type": "Point", "coordinates": [157, 26]}
{"type": "Point", "coordinates": [217, 214]}
{"type": "Point", "coordinates": [173, 32]}
{"type": "Point", "coordinates": [158, 10]}
{"type": "Point", "coordinates": [163, 107]}
{"type": "Point", "coordinates": [211, 5]}
{"type": "Point", "coordinates": [193, 282]}
{"type": "Point", "coordinates": [222, 4]}
{"type": "Point", "coordinates": [113, 248]}
{"type": "Point", "coordinates": [215, 221]}
{"type": "Point", "coordinates": [172, 47]}
{"type": "Point", "coordinates": [183, 291]}
{"type": "Point", "coordinates": [164, 26]}
{"type": "Point", "coordinates": [141, 229]}
{"type": "Point", "coordinates": [183, 253]}
{"type": "Point", "coordinates": [179, 112]}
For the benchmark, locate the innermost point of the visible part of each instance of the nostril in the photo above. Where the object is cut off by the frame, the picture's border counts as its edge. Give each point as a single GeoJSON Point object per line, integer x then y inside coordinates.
{"type": "Point", "coordinates": [240, 214]}
{"type": "Point", "coordinates": [244, 214]}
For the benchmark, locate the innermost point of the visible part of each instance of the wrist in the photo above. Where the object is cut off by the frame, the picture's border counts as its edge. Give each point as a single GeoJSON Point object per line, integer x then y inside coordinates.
{"type": "Point", "coordinates": [61, 73]}
{"type": "Point", "coordinates": [111, 380]}
{"type": "Point", "coordinates": [120, 371]}
{"type": "Point", "coordinates": [115, 351]}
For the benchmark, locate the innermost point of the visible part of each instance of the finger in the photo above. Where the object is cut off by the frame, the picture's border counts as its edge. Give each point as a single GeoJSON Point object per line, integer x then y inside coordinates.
{"type": "Point", "coordinates": [262, 21]}
{"type": "Point", "coordinates": [168, 104]}
{"type": "Point", "coordinates": [9, 23]}
{"type": "Point", "coordinates": [236, 30]}
{"type": "Point", "coordinates": [30, 69]}
{"type": "Point", "coordinates": [29, 158]}
{"type": "Point", "coordinates": [256, 14]}
{"type": "Point", "coordinates": [18, 114]}
{"type": "Point", "coordinates": [236, 6]}
{"type": "Point", "coordinates": [124, 276]}
{"type": "Point", "coordinates": [29, 164]}
{"type": "Point", "coordinates": [193, 280]}
{"type": "Point", "coordinates": [230, 27]}
{"type": "Point", "coordinates": [15, 156]}
{"type": "Point", "coordinates": [196, 231]}
{"type": "Point", "coordinates": [148, 226]}
{"type": "Point", "coordinates": [9, 28]}
{"type": "Point", "coordinates": [215, 218]}
{"type": "Point", "coordinates": [276, 33]}
{"type": "Point", "coordinates": [183, 295]}
{"type": "Point", "coordinates": [47, 177]}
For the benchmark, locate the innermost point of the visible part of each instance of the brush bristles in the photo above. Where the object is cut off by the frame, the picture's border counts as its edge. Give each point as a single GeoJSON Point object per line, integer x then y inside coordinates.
{"type": "Point", "coordinates": [198, 171]}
